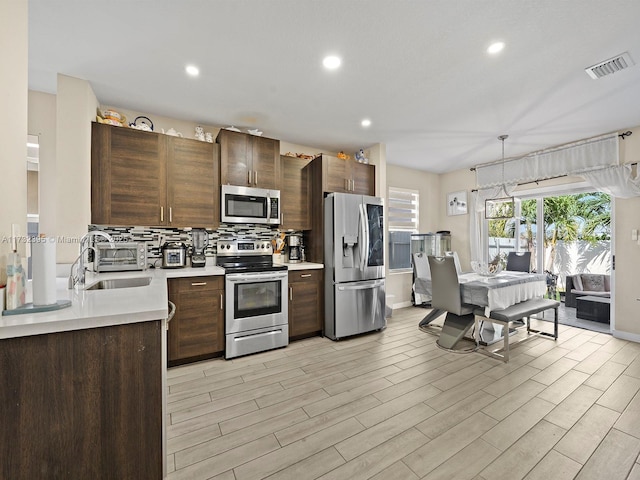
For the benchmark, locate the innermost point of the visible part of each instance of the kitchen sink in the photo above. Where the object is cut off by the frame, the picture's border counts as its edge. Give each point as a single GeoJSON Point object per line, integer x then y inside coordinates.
{"type": "Point", "coordinates": [120, 283]}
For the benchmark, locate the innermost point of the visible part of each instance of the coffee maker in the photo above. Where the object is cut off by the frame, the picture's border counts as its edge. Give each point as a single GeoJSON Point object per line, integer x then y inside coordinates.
{"type": "Point", "coordinates": [295, 248]}
{"type": "Point", "coordinates": [200, 240]}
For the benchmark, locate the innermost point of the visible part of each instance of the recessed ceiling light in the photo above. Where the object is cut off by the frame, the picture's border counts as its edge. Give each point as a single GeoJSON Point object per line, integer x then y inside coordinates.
{"type": "Point", "coordinates": [331, 62]}
{"type": "Point", "coordinates": [495, 47]}
{"type": "Point", "coordinates": [366, 123]}
{"type": "Point", "coordinates": [192, 70]}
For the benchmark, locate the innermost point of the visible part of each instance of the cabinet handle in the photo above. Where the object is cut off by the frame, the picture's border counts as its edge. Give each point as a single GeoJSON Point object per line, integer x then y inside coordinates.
{"type": "Point", "coordinates": [198, 284]}
{"type": "Point", "coordinates": [249, 177]}
{"type": "Point", "coordinates": [346, 185]}
{"type": "Point", "coordinates": [305, 275]}
{"type": "Point", "coordinates": [352, 185]}
{"type": "Point", "coordinates": [221, 305]}
{"type": "Point", "coordinates": [255, 177]}
{"type": "Point", "coordinates": [290, 293]}
{"type": "Point", "coordinates": [162, 214]}
{"type": "Point", "coordinates": [170, 214]}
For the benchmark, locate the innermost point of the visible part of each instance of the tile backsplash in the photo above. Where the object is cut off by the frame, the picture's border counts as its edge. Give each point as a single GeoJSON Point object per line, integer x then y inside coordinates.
{"type": "Point", "coordinates": [154, 236]}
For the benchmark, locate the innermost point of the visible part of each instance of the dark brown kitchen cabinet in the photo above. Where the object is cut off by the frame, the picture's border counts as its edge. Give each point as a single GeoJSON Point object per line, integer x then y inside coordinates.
{"type": "Point", "coordinates": [333, 175]}
{"type": "Point", "coordinates": [249, 160]}
{"type": "Point", "coordinates": [344, 176]}
{"type": "Point", "coordinates": [150, 179]}
{"type": "Point", "coordinates": [83, 404]}
{"type": "Point", "coordinates": [295, 191]}
{"type": "Point", "coordinates": [196, 331]}
{"type": "Point", "coordinates": [305, 303]}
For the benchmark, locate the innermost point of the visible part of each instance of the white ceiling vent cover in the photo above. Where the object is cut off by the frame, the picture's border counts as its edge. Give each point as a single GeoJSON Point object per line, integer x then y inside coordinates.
{"type": "Point", "coordinates": [613, 65]}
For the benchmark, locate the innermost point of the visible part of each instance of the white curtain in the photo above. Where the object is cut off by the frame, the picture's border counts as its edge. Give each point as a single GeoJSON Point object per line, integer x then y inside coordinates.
{"type": "Point", "coordinates": [478, 228]}
{"type": "Point", "coordinates": [572, 159]}
{"type": "Point", "coordinates": [618, 181]}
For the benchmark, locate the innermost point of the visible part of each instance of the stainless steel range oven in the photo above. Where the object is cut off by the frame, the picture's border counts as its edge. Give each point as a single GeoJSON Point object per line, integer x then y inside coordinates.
{"type": "Point", "coordinates": [256, 317]}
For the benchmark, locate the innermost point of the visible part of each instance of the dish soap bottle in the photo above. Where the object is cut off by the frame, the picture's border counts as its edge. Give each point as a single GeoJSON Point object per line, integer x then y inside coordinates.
{"type": "Point", "coordinates": [16, 281]}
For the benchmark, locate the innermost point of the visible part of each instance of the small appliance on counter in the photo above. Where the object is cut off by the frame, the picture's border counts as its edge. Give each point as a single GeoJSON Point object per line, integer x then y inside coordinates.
{"type": "Point", "coordinates": [119, 257]}
{"type": "Point", "coordinates": [200, 240]}
{"type": "Point", "coordinates": [174, 255]}
{"type": "Point", "coordinates": [295, 248]}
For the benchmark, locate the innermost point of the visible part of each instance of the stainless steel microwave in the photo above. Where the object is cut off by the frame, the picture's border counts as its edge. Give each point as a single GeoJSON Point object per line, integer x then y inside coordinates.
{"type": "Point", "coordinates": [121, 257]}
{"type": "Point", "coordinates": [250, 205]}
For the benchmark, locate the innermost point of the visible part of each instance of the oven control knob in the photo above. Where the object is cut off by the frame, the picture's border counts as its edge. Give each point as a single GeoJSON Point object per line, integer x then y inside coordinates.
{"type": "Point", "coordinates": [228, 246]}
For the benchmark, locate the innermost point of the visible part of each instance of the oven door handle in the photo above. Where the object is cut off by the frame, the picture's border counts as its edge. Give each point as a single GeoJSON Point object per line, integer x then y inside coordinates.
{"type": "Point", "coordinates": [252, 277]}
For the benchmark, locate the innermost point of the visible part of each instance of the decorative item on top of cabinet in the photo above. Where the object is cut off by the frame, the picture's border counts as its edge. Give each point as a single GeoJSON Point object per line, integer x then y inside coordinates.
{"type": "Point", "coordinates": [145, 178]}
{"type": "Point", "coordinates": [295, 193]}
{"type": "Point", "coordinates": [196, 331]}
{"type": "Point", "coordinates": [249, 160]}
{"type": "Point", "coordinates": [305, 303]}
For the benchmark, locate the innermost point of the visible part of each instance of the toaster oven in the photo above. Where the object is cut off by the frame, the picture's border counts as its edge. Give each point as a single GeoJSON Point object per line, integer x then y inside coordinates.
{"type": "Point", "coordinates": [122, 257]}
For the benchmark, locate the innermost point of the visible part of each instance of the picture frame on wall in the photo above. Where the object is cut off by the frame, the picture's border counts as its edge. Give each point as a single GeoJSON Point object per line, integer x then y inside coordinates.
{"type": "Point", "coordinates": [457, 203]}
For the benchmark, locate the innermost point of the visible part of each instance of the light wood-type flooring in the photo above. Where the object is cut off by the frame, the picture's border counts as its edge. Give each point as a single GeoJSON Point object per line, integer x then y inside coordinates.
{"type": "Point", "coordinates": [392, 405]}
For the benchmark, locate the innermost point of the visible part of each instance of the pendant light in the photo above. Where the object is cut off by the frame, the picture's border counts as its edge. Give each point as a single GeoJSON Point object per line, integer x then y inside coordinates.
{"type": "Point", "coordinates": [502, 205]}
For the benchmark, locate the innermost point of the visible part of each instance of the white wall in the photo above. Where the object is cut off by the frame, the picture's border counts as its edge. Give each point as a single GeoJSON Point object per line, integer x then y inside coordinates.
{"type": "Point", "coordinates": [13, 124]}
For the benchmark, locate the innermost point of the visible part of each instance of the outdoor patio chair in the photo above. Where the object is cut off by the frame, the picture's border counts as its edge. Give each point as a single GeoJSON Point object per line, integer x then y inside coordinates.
{"type": "Point", "coordinates": [519, 261]}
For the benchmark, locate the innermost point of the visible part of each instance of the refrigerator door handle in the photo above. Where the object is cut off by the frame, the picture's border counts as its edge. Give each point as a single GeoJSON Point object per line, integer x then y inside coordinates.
{"type": "Point", "coordinates": [363, 241]}
{"type": "Point", "coordinates": [362, 286]}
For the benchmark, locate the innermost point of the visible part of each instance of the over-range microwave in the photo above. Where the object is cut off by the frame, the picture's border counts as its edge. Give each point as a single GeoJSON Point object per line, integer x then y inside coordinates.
{"type": "Point", "coordinates": [250, 205]}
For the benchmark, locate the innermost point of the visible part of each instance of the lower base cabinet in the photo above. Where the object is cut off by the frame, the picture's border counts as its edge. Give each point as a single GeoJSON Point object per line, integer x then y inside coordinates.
{"type": "Point", "coordinates": [196, 331]}
{"type": "Point", "coordinates": [83, 404]}
{"type": "Point", "coordinates": [305, 303]}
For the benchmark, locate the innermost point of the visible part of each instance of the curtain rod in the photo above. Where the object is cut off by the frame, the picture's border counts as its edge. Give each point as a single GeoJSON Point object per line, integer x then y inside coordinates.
{"type": "Point", "coordinates": [552, 178]}
{"type": "Point", "coordinates": [550, 149]}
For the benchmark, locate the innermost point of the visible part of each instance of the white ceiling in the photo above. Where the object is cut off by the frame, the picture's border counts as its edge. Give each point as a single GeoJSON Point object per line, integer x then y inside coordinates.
{"type": "Point", "coordinates": [417, 68]}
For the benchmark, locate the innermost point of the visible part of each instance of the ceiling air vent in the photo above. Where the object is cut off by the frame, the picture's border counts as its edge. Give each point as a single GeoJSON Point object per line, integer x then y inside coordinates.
{"type": "Point", "coordinates": [613, 65]}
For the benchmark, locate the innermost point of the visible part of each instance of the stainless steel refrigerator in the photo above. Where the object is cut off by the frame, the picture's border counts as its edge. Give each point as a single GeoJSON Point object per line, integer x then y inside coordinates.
{"type": "Point", "coordinates": [354, 265]}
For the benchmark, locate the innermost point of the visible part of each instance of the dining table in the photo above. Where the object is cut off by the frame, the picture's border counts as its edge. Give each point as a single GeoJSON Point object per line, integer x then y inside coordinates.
{"type": "Point", "coordinates": [494, 292]}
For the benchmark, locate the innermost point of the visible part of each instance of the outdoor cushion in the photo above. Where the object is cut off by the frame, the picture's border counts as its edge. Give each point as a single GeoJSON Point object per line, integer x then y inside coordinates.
{"type": "Point", "coordinates": [577, 282]}
{"type": "Point", "coordinates": [607, 283]}
{"type": "Point", "coordinates": [593, 282]}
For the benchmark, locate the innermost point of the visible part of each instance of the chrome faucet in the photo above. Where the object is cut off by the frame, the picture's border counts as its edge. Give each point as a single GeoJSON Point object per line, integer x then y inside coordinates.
{"type": "Point", "coordinates": [80, 277]}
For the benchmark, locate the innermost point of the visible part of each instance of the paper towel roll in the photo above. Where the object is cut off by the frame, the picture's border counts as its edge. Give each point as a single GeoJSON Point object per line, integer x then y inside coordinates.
{"type": "Point", "coordinates": [43, 257]}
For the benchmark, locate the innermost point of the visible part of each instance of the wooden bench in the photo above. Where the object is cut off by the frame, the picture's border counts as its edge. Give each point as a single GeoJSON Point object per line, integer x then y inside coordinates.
{"type": "Point", "coordinates": [519, 311]}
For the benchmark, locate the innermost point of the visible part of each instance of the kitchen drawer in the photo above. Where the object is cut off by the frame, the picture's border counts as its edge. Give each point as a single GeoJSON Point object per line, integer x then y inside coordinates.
{"type": "Point", "coordinates": [298, 276]}
{"type": "Point", "coordinates": [190, 284]}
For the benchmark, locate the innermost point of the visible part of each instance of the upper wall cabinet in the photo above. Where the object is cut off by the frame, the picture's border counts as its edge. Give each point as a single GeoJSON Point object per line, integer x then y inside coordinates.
{"type": "Point", "coordinates": [150, 179]}
{"type": "Point", "coordinates": [248, 160]}
{"type": "Point", "coordinates": [333, 174]}
{"type": "Point", "coordinates": [295, 194]}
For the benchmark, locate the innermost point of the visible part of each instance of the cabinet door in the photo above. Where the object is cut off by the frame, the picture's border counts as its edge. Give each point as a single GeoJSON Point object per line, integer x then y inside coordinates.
{"type": "Point", "coordinates": [235, 157]}
{"type": "Point", "coordinates": [305, 302]}
{"type": "Point", "coordinates": [196, 330]}
{"type": "Point", "coordinates": [363, 176]}
{"type": "Point", "coordinates": [192, 183]}
{"type": "Point", "coordinates": [265, 163]}
{"type": "Point", "coordinates": [128, 176]}
{"type": "Point", "coordinates": [295, 193]}
{"type": "Point", "coordinates": [336, 174]}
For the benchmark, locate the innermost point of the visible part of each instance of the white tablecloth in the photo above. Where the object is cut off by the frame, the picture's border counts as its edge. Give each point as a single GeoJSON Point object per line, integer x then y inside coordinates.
{"type": "Point", "coordinates": [502, 290]}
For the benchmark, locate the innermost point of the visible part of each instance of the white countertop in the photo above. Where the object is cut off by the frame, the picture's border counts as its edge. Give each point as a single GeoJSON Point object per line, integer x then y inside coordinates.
{"type": "Point", "coordinates": [118, 306]}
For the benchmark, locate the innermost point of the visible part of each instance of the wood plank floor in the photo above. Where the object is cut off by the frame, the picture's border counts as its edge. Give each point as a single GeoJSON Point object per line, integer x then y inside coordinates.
{"type": "Point", "coordinates": [392, 405]}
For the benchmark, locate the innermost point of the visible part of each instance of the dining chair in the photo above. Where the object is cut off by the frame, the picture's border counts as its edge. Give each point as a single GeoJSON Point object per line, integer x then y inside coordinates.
{"type": "Point", "coordinates": [456, 260]}
{"type": "Point", "coordinates": [446, 297]}
{"type": "Point", "coordinates": [519, 261]}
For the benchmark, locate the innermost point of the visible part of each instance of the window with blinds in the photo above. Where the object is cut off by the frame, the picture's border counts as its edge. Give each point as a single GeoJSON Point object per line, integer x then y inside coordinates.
{"type": "Point", "coordinates": [403, 221]}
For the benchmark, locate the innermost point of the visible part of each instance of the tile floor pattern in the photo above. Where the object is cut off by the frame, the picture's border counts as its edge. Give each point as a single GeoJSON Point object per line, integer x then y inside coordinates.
{"type": "Point", "coordinates": [392, 405]}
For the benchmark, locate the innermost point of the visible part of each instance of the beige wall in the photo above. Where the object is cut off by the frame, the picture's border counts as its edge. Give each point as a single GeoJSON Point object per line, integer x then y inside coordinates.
{"type": "Point", "coordinates": [627, 252]}
{"type": "Point", "coordinates": [42, 122]}
{"type": "Point", "coordinates": [458, 225]}
{"type": "Point", "coordinates": [13, 124]}
{"type": "Point", "coordinates": [428, 186]}
{"type": "Point", "coordinates": [75, 108]}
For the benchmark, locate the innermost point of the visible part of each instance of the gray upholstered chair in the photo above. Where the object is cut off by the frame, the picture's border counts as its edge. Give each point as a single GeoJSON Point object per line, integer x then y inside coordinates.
{"type": "Point", "coordinates": [445, 291]}
{"type": "Point", "coordinates": [519, 261]}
